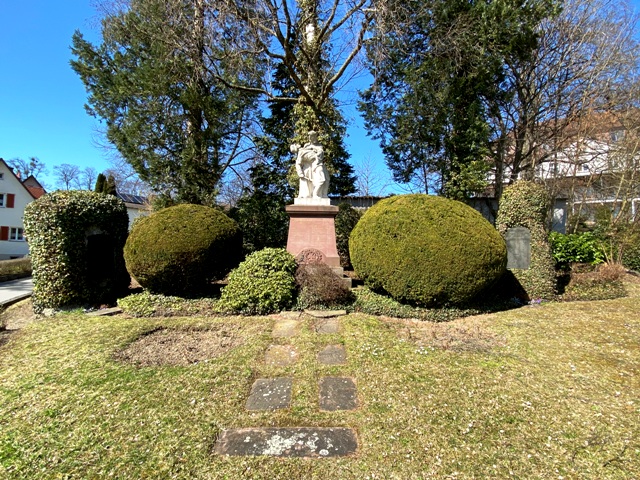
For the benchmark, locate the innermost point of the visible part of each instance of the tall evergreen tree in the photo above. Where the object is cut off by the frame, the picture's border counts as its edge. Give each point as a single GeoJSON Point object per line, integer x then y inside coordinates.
{"type": "Point", "coordinates": [152, 82]}
{"type": "Point", "coordinates": [439, 73]}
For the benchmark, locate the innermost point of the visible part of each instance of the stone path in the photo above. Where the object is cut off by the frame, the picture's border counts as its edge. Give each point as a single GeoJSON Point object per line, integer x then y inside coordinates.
{"type": "Point", "coordinates": [334, 394]}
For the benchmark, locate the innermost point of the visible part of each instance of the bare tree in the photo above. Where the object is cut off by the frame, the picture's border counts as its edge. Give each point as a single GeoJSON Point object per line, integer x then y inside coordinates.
{"type": "Point", "coordinates": [67, 176]}
{"type": "Point", "coordinates": [371, 181]}
{"type": "Point", "coordinates": [25, 168]}
{"type": "Point", "coordinates": [586, 57]}
{"type": "Point", "coordinates": [87, 178]}
{"type": "Point", "coordinates": [126, 178]}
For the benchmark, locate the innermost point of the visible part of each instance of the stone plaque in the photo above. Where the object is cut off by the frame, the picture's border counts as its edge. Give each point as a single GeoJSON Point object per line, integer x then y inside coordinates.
{"type": "Point", "coordinates": [518, 248]}
{"type": "Point", "coordinates": [270, 394]}
{"type": "Point", "coordinates": [304, 442]}
{"type": "Point", "coordinates": [338, 393]}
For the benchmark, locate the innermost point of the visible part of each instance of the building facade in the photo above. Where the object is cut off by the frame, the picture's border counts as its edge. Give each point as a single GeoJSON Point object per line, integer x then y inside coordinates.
{"type": "Point", "coordinates": [15, 194]}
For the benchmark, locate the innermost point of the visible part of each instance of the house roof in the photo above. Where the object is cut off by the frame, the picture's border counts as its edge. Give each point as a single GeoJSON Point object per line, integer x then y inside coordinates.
{"type": "Point", "coordinates": [135, 199]}
{"type": "Point", "coordinates": [30, 184]}
{"type": "Point", "coordinates": [34, 186]}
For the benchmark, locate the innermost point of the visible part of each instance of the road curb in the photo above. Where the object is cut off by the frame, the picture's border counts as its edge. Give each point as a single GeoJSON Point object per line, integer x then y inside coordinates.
{"type": "Point", "coordinates": [16, 299]}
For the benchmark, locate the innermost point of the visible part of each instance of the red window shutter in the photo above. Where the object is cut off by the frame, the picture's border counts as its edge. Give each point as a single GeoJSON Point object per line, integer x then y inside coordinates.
{"type": "Point", "coordinates": [11, 197]}
{"type": "Point", "coordinates": [4, 233]}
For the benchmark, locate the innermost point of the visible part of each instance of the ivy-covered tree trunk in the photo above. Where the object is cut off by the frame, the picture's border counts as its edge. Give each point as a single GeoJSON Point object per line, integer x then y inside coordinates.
{"type": "Point", "coordinates": [526, 204]}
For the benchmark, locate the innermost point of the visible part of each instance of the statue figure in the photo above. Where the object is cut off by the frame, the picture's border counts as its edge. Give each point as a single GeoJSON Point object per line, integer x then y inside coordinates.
{"type": "Point", "coordinates": [314, 177]}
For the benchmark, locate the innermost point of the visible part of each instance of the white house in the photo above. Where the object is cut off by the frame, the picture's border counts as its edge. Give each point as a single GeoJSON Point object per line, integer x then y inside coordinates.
{"type": "Point", "coordinates": [15, 194]}
{"type": "Point", "coordinates": [137, 206]}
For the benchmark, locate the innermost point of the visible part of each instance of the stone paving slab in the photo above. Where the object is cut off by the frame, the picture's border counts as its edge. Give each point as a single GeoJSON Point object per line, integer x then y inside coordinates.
{"type": "Point", "coordinates": [333, 355]}
{"type": "Point", "coordinates": [326, 313]}
{"type": "Point", "coordinates": [327, 325]}
{"type": "Point", "coordinates": [288, 442]}
{"type": "Point", "coordinates": [105, 312]}
{"type": "Point", "coordinates": [281, 355]}
{"type": "Point", "coordinates": [285, 328]}
{"type": "Point", "coordinates": [270, 394]}
{"type": "Point", "coordinates": [338, 393]}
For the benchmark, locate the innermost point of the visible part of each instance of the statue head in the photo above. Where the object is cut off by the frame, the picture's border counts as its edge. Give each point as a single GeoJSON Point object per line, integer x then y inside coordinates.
{"type": "Point", "coordinates": [313, 136]}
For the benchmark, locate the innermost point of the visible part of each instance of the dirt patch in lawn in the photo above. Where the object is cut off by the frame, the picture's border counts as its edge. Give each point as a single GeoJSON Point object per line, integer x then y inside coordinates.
{"type": "Point", "coordinates": [15, 317]}
{"type": "Point", "coordinates": [180, 347]}
{"type": "Point", "coordinates": [470, 334]}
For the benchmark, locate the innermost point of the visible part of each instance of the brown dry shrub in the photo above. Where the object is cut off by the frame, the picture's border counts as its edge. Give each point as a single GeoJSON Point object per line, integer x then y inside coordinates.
{"type": "Point", "coordinates": [603, 283]}
{"type": "Point", "coordinates": [320, 287]}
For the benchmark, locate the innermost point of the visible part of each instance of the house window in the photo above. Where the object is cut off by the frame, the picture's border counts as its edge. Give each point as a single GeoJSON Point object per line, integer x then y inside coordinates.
{"type": "Point", "coordinates": [2, 195]}
{"type": "Point", "coordinates": [1, 176]}
{"type": "Point", "coordinates": [16, 234]}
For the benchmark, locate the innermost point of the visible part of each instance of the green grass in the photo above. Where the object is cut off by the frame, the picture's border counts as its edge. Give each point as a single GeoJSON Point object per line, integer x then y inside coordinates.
{"type": "Point", "coordinates": [549, 391]}
{"type": "Point", "coordinates": [16, 268]}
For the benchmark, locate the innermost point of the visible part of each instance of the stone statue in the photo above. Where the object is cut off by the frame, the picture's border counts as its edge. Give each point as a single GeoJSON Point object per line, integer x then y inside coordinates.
{"type": "Point", "coordinates": [314, 177]}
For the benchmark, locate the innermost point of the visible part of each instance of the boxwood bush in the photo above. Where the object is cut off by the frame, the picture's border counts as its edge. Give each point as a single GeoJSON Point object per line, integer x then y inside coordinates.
{"type": "Point", "coordinates": [526, 204]}
{"type": "Point", "coordinates": [427, 250]}
{"type": "Point", "coordinates": [180, 250]}
{"type": "Point", "coordinates": [264, 283]}
{"type": "Point", "coordinates": [75, 241]}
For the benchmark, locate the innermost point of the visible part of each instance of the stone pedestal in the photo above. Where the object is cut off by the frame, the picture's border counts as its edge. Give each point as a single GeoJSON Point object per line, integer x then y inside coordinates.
{"type": "Point", "coordinates": [312, 227]}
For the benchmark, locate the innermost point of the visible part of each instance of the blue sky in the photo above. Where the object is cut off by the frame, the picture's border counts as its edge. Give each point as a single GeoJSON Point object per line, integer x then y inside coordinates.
{"type": "Point", "coordinates": [42, 100]}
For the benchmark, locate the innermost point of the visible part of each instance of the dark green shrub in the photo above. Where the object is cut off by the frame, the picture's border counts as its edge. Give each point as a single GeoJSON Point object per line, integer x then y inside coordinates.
{"type": "Point", "coordinates": [631, 256]}
{"type": "Point", "coordinates": [427, 250]}
{"type": "Point", "coordinates": [371, 303]}
{"type": "Point", "coordinates": [180, 250]}
{"type": "Point", "coordinates": [526, 204]}
{"type": "Point", "coordinates": [320, 287]}
{"type": "Point", "coordinates": [346, 220]}
{"type": "Point", "coordinates": [264, 283]}
{"type": "Point", "coordinates": [263, 220]}
{"type": "Point", "coordinates": [75, 241]}
{"type": "Point", "coordinates": [575, 248]}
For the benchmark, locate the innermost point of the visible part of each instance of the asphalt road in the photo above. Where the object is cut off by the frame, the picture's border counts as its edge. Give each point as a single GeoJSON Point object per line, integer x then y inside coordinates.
{"type": "Point", "coordinates": [15, 290]}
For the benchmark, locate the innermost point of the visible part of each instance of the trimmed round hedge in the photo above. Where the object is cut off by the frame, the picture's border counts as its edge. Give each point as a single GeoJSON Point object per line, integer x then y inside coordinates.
{"type": "Point", "coordinates": [427, 250]}
{"type": "Point", "coordinates": [75, 241]}
{"type": "Point", "coordinates": [179, 250]}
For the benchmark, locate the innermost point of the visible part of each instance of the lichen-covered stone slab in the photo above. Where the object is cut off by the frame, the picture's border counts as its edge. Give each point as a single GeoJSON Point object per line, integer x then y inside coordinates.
{"type": "Point", "coordinates": [332, 355]}
{"type": "Point", "coordinates": [281, 355]}
{"type": "Point", "coordinates": [270, 394]}
{"type": "Point", "coordinates": [285, 328]}
{"type": "Point", "coordinates": [288, 442]}
{"type": "Point", "coordinates": [338, 393]}
{"type": "Point", "coordinates": [327, 325]}
{"type": "Point", "coordinates": [326, 313]}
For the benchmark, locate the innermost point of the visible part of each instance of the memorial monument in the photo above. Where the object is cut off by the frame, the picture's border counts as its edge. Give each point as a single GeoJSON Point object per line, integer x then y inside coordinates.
{"type": "Point", "coordinates": [312, 233]}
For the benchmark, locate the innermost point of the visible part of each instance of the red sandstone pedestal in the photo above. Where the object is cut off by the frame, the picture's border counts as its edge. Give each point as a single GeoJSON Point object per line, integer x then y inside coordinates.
{"type": "Point", "coordinates": [312, 227]}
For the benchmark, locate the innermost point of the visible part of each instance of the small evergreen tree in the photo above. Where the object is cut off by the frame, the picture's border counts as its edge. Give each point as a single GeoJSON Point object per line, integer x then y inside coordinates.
{"type": "Point", "coordinates": [100, 183]}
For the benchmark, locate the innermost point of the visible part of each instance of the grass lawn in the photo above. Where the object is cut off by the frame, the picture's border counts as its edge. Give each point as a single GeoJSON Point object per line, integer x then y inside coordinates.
{"type": "Point", "coordinates": [548, 391]}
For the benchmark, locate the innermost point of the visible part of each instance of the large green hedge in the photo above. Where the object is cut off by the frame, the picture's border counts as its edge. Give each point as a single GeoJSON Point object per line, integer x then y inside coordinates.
{"type": "Point", "coordinates": [526, 204]}
{"type": "Point", "coordinates": [180, 250]}
{"type": "Point", "coordinates": [427, 250]}
{"type": "Point", "coordinates": [75, 241]}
